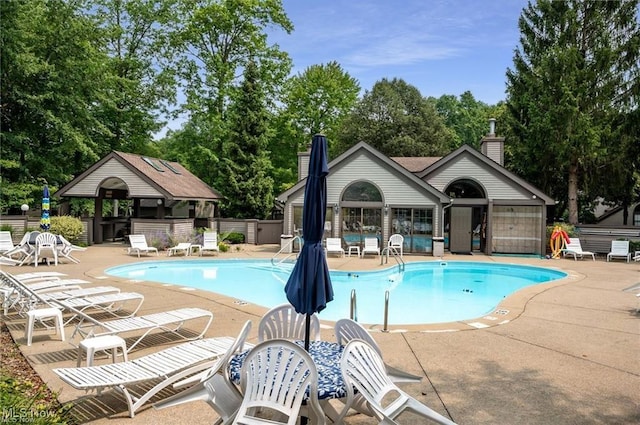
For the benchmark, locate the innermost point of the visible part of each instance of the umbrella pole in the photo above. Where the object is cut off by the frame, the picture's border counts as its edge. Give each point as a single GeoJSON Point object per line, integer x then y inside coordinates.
{"type": "Point", "coordinates": [307, 331]}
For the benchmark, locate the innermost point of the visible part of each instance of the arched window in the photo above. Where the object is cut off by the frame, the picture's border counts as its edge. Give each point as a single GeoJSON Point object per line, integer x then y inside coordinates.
{"type": "Point", "coordinates": [362, 192]}
{"type": "Point", "coordinates": [465, 188]}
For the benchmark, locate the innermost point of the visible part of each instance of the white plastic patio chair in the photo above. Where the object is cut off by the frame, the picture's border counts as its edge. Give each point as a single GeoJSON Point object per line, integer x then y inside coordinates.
{"type": "Point", "coordinates": [168, 366]}
{"type": "Point", "coordinates": [209, 242]}
{"type": "Point", "coordinates": [347, 330]}
{"type": "Point", "coordinates": [619, 249]}
{"type": "Point", "coordinates": [23, 250]}
{"type": "Point", "coordinates": [334, 246]}
{"type": "Point", "coordinates": [363, 369]}
{"type": "Point", "coordinates": [139, 245]}
{"type": "Point", "coordinates": [181, 247]}
{"type": "Point", "coordinates": [574, 247]}
{"type": "Point", "coordinates": [370, 246]}
{"type": "Point", "coordinates": [46, 247]}
{"type": "Point", "coordinates": [284, 322]}
{"type": "Point", "coordinates": [213, 385]}
{"type": "Point", "coordinates": [274, 379]}
{"type": "Point", "coordinates": [396, 241]}
{"type": "Point", "coordinates": [66, 248]}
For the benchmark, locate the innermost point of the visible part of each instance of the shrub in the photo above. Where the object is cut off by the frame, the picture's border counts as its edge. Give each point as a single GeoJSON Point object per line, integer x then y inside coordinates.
{"type": "Point", "coordinates": [67, 226]}
{"type": "Point", "coordinates": [234, 237]}
{"type": "Point", "coordinates": [6, 228]}
{"type": "Point", "coordinates": [159, 240]}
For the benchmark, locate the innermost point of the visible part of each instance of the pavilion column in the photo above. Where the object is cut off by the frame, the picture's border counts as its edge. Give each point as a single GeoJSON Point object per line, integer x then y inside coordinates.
{"type": "Point", "coordinates": [97, 221]}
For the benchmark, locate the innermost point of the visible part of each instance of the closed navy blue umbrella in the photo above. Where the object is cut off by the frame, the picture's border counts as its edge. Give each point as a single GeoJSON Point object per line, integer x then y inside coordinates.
{"type": "Point", "coordinates": [309, 286]}
{"type": "Point", "coordinates": [45, 221]}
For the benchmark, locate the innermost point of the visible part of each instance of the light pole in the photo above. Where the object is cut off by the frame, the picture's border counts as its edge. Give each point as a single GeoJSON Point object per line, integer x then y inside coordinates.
{"type": "Point", "coordinates": [24, 208]}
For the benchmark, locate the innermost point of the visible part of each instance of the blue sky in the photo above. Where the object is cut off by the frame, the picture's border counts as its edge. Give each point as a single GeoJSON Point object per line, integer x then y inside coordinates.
{"type": "Point", "coordinates": [439, 46]}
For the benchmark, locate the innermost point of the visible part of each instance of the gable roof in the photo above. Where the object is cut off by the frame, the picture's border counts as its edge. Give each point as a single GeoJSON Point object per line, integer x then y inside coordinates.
{"type": "Point", "coordinates": [406, 174]}
{"type": "Point", "coordinates": [468, 150]}
{"type": "Point", "coordinates": [169, 178]}
{"type": "Point", "coordinates": [415, 164]}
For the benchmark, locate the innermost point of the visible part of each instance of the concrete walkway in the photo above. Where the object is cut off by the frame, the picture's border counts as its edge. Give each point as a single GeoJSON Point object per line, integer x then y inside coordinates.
{"type": "Point", "coordinates": [567, 352]}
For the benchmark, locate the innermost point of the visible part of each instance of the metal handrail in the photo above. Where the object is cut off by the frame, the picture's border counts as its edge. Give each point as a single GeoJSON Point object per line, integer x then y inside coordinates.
{"type": "Point", "coordinates": [385, 328]}
{"type": "Point", "coordinates": [394, 252]}
{"type": "Point", "coordinates": [287, 246]}
{"type": "Point", "coordinates": [353, 308]}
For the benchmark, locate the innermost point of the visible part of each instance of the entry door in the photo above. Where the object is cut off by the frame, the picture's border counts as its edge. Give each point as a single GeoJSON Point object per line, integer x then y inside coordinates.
{"type": "Point", "coordinates": [460, 231]}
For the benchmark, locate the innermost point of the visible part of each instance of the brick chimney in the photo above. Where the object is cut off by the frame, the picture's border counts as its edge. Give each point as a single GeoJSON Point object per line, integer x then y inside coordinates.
{"type": "Point", "coordinates": [492, 146]}
{"type": "Point", "coordinates": [303, 163]}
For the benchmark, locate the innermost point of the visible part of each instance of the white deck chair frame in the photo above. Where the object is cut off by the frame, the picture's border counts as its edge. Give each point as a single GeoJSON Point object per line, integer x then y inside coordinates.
{"type": "Point", "coordinates": [284, 322]}
{"type": "Point", "coordinates": [139, 245]}
{"type": "Point", "coordinates": [168, 321]}
{"type": "Point", "coordinates": [209, 243]}
{"type": "Point", "coordinates": [66, 249]}
{"type": "Point", "coordinates": [184, 247]}
{"type": "Point", "coordinates": [371, 246]}
{"type": "Point", "coordinates": [214, 386]}
{"type": "Point", "coordinates": [619, 249]}
{"type": "Point", "coordinates": [574, 247]}
{"type": "Point", "coordinates": [163, 367]}
{"type": "Point", "coordinates": [334, 246]}
{"type": "Point", "coordinates": [363, 369]}
{"type": "Point", "coordinates": [6, 241]}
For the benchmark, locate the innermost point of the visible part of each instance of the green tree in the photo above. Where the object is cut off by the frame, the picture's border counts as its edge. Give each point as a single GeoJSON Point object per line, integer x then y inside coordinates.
{"type": "Point", "coordinates": [247, 188]}
{"type": "Point", "coordinates": [140, 79]}
{"type": "Point", "coordinates": [395, 119]}
{"type": "Point", "coordinates": [52, 78]}
{"type": "Point", "coordinates": [466, 116]}
{"type": "Point", "coordinates": [214, 41]}
{"type": "Point", "coordinates": [575, 71]}
{"type": "Point", "coordinates": [314, 101]}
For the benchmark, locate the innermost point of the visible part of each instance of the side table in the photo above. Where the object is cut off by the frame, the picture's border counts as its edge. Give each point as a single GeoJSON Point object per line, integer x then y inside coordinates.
{"type": "Point", "coordinates": [355, 249]}
{"type": "Point", "coordinates": [99, 343]}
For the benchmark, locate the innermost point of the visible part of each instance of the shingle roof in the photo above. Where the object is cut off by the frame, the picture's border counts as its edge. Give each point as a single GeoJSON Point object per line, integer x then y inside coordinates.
{"type": "Point", "coordinates": [179, 186]}
{"type": "Point", "coordinates": [415, 164]}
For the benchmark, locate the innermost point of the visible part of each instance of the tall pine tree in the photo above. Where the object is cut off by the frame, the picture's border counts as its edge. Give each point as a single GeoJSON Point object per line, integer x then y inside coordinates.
{"type": "Point", "coordinates": [575, 72]}
{"type": "Point", "coordinates": [247, 185]}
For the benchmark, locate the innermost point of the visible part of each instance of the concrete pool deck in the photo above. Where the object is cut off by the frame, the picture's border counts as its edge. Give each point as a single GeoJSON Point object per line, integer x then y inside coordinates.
{"type": "Point", "coordinates": [566, 352]}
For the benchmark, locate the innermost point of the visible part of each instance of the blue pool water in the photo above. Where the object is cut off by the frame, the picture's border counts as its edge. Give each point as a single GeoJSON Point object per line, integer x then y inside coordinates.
{"type": "Point", "coordinates": [426, 292]}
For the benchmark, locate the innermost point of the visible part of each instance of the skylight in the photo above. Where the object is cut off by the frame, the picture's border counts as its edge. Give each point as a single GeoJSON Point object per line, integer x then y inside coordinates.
{"type": "Point", "coordinates": [153, 164]}
{"type": "Point", "coordinates": [169, 166]}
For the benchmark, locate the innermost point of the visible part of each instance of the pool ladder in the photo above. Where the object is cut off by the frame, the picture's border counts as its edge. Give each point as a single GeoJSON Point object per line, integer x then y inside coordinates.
{"type": "Point", "coordinates": [288, 246]}
{"type": "Point", "coordinates": [384, 257]}
{"type": "Point", "coordinates": [353, 309]}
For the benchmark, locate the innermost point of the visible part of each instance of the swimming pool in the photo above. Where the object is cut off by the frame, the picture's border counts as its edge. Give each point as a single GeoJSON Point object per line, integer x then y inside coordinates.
{"type": "Point", "coordinates": [426, 292]}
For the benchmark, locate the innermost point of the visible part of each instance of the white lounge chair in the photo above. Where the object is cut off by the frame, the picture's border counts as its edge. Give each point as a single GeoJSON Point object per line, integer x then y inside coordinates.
{"type": "Point", "coordinates": [159, 370]}
{"type": "Point", "coordinates": [396, 241]}
{"type": "Point", "coordinates": [619, 249]}
{"type": "Point", "coordinates": [276, 377]}
{"type": "Point", "coordinates": [46, 247]}
{"type": "Point", "coordinates": [284, 322]}
{"type": "Point", "coordinates": [209, 242]}
{"type": "Point", "coordinates": [181, 247]}
{"type": "Point", "coordinates": [636, 256]}
{"type": "Point", "coordinates": [363, 369]}
{"type": "Point", "coordinates": [168, 321]}
{"type": "Point", "coordinates": [6, 242]}
{"type": "Point", "coordinates": [214, 385]}
{"type": "Point", "coordinates": [334, 246]}
{"type": "Point", "coordinates": [139, 245]}
{"type": "Point", "coordinates": [347, 330]}
{"type": "Point", "coordinates": [22, 252]}
{"type": "Point", "coordinates": [370, 246]}
{"type": "Point", "coordinates": [574, 247]}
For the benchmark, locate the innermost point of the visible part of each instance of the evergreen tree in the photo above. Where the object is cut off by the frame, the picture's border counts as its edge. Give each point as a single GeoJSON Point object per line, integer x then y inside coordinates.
{"type": "Point", "coordinates": [245, 181]}
{"type": "Point", "coordinates": [575, 73]}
